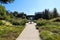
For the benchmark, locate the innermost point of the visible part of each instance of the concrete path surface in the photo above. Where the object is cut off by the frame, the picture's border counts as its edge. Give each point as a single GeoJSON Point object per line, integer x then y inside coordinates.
{"type": "Point", "coordinates": [29, 33]}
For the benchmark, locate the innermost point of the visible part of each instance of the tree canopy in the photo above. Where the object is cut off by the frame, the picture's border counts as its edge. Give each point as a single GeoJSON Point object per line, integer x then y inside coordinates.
{"type": "Point", "coordinates": [46, 14]}
{"type": "Point", "coordinates": [6, 1]}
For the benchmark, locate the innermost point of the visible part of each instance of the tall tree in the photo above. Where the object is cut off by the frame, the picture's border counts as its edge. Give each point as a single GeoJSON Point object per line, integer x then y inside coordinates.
{"type": "Point", "coordinates": [46, 14]}
{"type": "Point", "coordinates": [2, 10]}
{"type": "Point", "coordinates": [21, 15]}
{"type": "Point", "coordinates": [15, 13]}
{"type": "Point", "coordinates": [38, 15]}
{"type": "Point", "coordinates": [55, 13]}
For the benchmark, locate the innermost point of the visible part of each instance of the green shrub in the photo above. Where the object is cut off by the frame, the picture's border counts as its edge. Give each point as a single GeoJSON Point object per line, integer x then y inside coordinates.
{"type": "Point", "coordinates": [15, 23]}
{"type": "Point", "coordinates": [18, 21]}
{"type": "Point", "coordinates": [41, 22]}
{"type": "Point", "coordinates": [1, 23]}
{"type": "Point", "coordinates": [49, 29]}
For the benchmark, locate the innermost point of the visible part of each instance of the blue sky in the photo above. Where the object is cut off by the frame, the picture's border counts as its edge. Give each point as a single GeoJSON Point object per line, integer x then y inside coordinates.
{"type": "Point", "coordinates": [31, 6]}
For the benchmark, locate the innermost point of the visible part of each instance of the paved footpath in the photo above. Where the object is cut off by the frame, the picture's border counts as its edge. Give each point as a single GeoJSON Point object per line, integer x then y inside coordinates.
{"type": "Point", "coordinates": [29, 33]}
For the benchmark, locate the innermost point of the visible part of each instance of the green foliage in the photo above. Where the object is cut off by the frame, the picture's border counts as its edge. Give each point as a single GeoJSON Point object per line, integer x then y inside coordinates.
{"type": "Point", "coordinates": [9, 31]}
{"type": "Point", "coordinates": [15, 13]}
{"type": "Point", "coordinates": [6, 1]}
{"type": "Point", "coordinates": [41, 22]}
{"type": "Point", "coordinates": [2, 11]}
{"type": "Point", "coordinates": [1, 23]}
{"type": "Point", "coordinates": [7, 17]}
{"type": "Point", "coordinates": [55, 19]}
{"type": "Point", "coordinates": [3, 14]}
{"type": "Point", "coordinates": [46, 14]}
{"type": "Point", "coordinates": [11, 15]}
{"type": "Point", "coordinates": [34, 21]}
{"type": "Point", "coordinates": [55, 13]}
{"type": "Point", "coordinates": [47, 35]}
{"type": "Point", "coordinates": [18, 21]}
{"type": "Point", "coordinates": [49, 29]}
{"type": "Point", "coordinates": [10, 24]}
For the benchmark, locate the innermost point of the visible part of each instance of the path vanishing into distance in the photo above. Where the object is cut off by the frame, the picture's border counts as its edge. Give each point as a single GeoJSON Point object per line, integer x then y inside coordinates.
{"type": "Point", "coordinates": [29, 33]}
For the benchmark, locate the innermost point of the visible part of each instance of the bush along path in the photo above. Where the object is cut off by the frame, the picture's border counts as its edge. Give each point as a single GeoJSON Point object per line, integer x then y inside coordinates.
{"type": "Point", "coordinates": [29, 33]}
{"type": "Point", "coordinates": [49, 29]}
{"type": "Point", "coordinates": [8, 31]}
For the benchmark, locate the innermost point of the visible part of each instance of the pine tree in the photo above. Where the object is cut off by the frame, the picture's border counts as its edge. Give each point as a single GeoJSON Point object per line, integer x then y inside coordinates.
{"type": "Point", "coordinates": [55, 13]}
